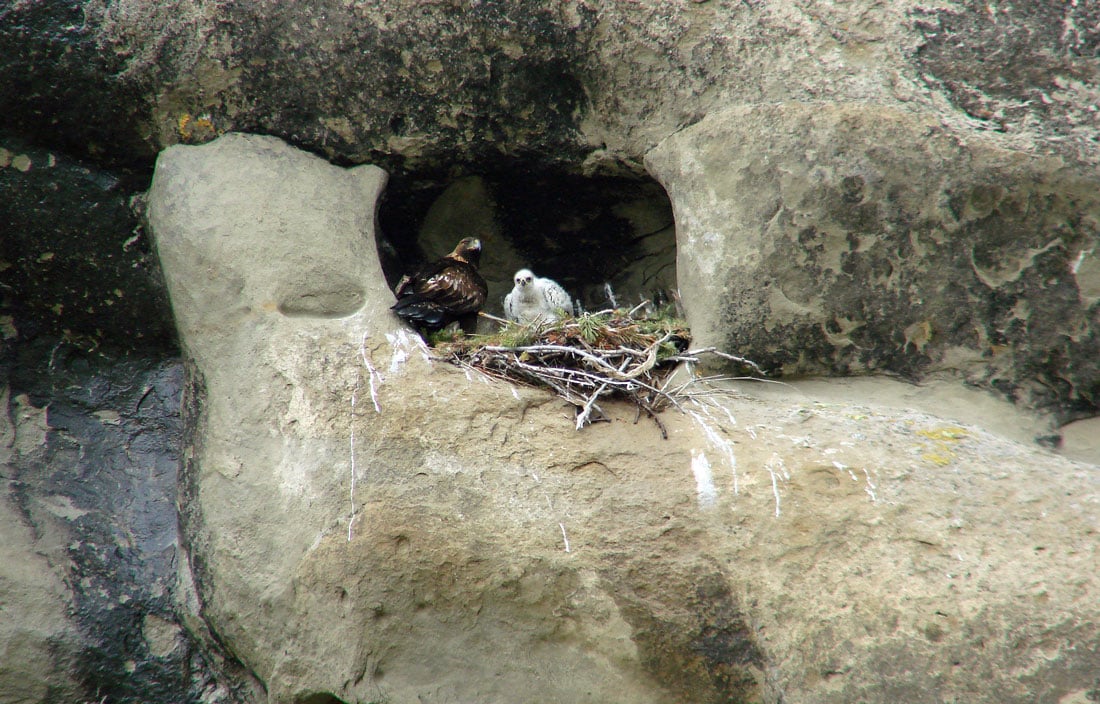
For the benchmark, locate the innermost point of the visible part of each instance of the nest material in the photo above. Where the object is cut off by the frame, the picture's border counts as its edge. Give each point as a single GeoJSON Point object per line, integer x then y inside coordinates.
{"type": "Point", "coordinates": [609, 354]}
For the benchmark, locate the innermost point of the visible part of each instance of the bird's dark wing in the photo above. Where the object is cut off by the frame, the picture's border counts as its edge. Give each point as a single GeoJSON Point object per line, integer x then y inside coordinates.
{"type": "Point", "coordinates": [440, 293]}
{"type": "Point", "coordinates": [456, 286]}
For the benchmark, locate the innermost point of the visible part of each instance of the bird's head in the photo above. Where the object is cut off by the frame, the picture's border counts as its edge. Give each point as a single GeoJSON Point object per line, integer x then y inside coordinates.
{"type": "Point", "coordinates": [468, 249]}
{"type": "Point", "coordinates": [524, 278]}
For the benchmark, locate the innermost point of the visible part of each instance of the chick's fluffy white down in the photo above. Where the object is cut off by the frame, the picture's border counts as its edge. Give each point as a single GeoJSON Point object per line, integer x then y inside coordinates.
{"type": "Point", "coordinates": [536, 299]}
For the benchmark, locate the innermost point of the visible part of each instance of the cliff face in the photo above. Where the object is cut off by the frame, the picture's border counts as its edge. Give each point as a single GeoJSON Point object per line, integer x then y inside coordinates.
{"type": "Point", "coordinates": [406, 530]}
{"type": "Point", "coordinates": [929, 168]}
{"type": "Point", "coordinates": [834, 188]}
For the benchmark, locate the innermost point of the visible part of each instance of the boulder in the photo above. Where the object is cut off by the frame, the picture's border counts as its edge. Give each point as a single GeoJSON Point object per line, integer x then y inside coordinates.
{"type": "Point", "coordinates": [368, 523]}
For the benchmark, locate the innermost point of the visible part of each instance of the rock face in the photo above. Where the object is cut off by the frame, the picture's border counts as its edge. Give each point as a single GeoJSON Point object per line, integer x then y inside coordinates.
{"type": "Point", "coordinates": [923, 252]}
{"type": "Point", "coordinates": [930, 168]}
{"type": "Point", "coordinates": [76, 263]}
{"type": "Point", "coordinates": [409, 532]}
{"type": "Point", "coordinates": [93, 600]}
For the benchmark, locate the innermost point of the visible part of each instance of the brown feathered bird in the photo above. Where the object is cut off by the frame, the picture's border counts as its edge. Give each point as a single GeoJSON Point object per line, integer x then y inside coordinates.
{"type": "Point", "coordinates": [446, 290]}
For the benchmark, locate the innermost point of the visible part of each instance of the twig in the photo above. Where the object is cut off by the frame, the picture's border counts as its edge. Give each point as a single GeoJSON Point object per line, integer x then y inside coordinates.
{"type": "Point", "coordinates": [552, 348]}
{"type": "Point", "coordinates": [693, 356]}
{"type": "Point", "coordinates": [587, 409]}
{"type": "Point", "coordinates": [651, 358]}
{"type": "Point", "coordinates": [483, 314]}
{"type": "Point", "coordinates": [660, 425]}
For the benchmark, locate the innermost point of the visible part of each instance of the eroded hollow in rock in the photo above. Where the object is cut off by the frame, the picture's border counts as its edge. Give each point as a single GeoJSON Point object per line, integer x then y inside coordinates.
{"type": "Point", "coordinates": [318, 698]}
{"type": "Point", "coordinates": [587, 233]}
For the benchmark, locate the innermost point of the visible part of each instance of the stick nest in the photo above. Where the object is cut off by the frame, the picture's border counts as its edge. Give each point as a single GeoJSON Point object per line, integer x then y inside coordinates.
{"type": "Point", "coordinates": [610, 354]}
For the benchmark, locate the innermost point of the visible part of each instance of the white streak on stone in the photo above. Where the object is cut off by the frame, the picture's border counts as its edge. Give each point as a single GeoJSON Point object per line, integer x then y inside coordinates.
{"type": "Point", "coordinates": [705, 491]}
{"type": "Point", "coordinates": [845, 468]}
{"type": "Point", "coordinates": [403, 343]}
{"type": "Point", "coordinates": [870, 488]}
{"type": "Point", "coordinates": [564, 536]}
{"type": "Point", "coordinates": [351, 491]}
{"type": "Point", "coordinates": [400, 352]}
{"type": "Point", "coordinates": [372, 375]}
{"type": "Point", "coordinates": [729, 414]}
{"type": "Point", "coordinates": [775, 465]}
{"type": "Point", "coordinates": [1080, 258]}
{"type": "Point", "coordinates": [719, 443]}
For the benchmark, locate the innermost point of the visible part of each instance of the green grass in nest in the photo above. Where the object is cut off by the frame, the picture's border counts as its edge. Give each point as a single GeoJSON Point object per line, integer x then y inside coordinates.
{"type": "Point", "coordinates": [590, 331]}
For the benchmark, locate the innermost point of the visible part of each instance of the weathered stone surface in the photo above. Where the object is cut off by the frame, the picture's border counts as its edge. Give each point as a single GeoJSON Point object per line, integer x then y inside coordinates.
{"type": "Point", "coordinates": [556, 80]}
{"type": "Point", "coordinates": [589, 88]}
{"type": "Point", "coordinates": [37, 640]}
{"type": "Point", "coordinates": [511, 92]}
{"type": "Point", "coordinates": [74, 261]}
{"type": "Point", "coordinates": [407, 532]}
{"type": "Point", "coordinates": [923, 252]}
{"type": "Point", "coordinates": [1030, 67]}
{"type": "Point", "coordinates": [93, 601]}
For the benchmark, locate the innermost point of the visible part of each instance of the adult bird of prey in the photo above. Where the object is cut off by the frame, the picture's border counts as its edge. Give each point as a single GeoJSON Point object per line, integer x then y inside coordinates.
{"type": "Point", "coordinates": [446, 290]}
{"type": "Point", "coordinates": [535, 299]}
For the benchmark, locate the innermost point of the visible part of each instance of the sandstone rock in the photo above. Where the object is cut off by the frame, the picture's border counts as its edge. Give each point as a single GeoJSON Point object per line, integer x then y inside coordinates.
{"type": "Point", "coordinates": [559, 81]}
{"type": "Point", "coordinates": [37, 641]}
{"type": "Point", "coordinates": [438, 91]}
{"type": "Point", "coordinates": [922, 252]}
{"type": "Point", "coordinates": [368, 524]}
{"type": "Point", "coordinates": [947, 222]}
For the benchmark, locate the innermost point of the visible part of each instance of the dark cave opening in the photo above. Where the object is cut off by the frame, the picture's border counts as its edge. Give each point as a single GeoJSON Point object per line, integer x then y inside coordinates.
{"type": "Point", "coordinates": [591, 234]}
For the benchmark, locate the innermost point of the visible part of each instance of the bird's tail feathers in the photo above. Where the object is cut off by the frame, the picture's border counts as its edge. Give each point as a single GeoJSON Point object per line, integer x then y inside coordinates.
{"type": "Point", "coordinates": [419, 312]}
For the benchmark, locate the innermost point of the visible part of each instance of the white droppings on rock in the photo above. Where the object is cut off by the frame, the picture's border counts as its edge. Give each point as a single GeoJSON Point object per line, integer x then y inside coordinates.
{"type": "Point", "coordinates": [719, 443]}
{"type": "Point", "coordinates": [404, 343]}
{"type": "Point", "coordinates": [778, 471]}
{"type": "Point", "coordinates": [705, 491]}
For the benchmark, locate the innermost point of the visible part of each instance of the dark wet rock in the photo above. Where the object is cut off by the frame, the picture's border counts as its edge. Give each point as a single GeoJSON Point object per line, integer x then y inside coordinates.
{"type": "Point", "coordinates": [93, 476]}
{"type": "Point", "coordinates": [64, 92]}
{"type": "Point", "coordinates": [74, 259]}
